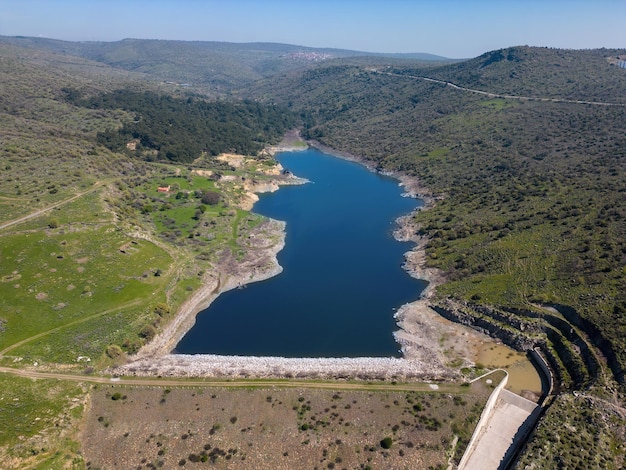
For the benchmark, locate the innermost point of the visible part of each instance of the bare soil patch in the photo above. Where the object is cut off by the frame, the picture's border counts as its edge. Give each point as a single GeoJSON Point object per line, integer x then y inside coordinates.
{"type": "Point", "coordinates": [273, 428]}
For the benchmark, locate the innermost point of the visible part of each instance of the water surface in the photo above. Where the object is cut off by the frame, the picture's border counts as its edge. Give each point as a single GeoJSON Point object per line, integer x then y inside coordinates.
{"type": "Point", "coordinates": [342, 277]}
{"type": "Point", "coordinates": [523, 376]}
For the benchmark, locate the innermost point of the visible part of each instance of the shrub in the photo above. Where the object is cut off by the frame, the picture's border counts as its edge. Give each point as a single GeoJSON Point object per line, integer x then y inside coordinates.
{"type": "Point", "coordinates": [113, 351]}
{"type": "Point", "coordinates": [148, 332]}
{"type": "Point", "coordinates": [386, 443]}
{"type": "Point", "coordinates": [161, 309]}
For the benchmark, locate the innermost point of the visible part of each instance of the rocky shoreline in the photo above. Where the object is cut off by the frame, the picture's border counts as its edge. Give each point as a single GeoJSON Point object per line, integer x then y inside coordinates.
{"type": "Point", "coordinates": [215, 284]}
{"type": "Point", "coordinates": [426, 339]}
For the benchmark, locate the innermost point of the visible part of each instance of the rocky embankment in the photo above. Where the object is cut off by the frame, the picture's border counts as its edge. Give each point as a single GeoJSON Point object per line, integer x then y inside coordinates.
{"type": "Point", "coordinates": [205, 365]}
{"type": "Point", "coordinates": [259, 263]}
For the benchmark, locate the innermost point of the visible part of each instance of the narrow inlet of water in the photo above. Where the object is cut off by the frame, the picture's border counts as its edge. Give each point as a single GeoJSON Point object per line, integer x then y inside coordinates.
{"type": "Point", "coordinates": [342, 279]}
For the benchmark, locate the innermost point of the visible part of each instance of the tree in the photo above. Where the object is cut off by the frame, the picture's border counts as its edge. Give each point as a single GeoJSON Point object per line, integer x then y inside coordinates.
{"type": "Point", "coordinates": [211, 198]}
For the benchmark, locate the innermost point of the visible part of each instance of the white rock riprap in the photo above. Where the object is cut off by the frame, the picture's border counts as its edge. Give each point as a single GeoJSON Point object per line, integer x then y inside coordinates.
{"type": "Point", "coordinates": [207, 365]}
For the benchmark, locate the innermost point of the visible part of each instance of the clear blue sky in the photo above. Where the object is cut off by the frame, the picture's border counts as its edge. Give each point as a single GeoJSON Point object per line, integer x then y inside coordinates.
{"type": "Point", "coordinates": [452, 28]}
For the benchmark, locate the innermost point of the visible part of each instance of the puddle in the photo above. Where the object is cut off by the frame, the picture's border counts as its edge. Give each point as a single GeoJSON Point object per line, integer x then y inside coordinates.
{"type": "Point", "coordinates": [523, 377]}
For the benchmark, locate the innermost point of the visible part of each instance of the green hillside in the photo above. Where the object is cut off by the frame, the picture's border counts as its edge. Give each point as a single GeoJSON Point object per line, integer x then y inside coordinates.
{"type": "Point", "coordinates": [94, 261]}
{"type": "Point", "coordinates": [521, 152]}
{"type": "Point", "coordinates": [529, 197]}
{"type": "Point", "coordinates": [532, 194]}
{"type": "Point", "coordinates": [65, 131]}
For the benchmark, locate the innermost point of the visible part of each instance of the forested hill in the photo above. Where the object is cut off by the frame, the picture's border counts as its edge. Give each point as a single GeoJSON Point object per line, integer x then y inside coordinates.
{"type": "Point", "coordinates": [534, 206]}
{"type": "Point", "coordinates": [180, 130]}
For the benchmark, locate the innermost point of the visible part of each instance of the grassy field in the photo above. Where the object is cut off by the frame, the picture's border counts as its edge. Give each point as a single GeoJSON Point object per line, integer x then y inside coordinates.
{"type": "Point", "coordinates": [38, 422]}
{"type": "Point", "coordinates": [55, 278]}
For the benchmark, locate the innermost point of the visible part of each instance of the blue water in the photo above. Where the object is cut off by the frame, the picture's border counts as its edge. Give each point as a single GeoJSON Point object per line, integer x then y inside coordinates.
{"type": "Point", "coordinates": [342, 277]}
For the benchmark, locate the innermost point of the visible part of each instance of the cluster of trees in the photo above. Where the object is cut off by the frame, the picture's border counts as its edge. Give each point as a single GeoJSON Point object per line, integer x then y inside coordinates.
{"type": "Point", "coordinates": [181, 130]}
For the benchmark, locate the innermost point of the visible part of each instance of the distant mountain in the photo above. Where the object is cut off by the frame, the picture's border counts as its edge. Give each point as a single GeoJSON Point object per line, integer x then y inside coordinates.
{"type": "Point", "coordinates": [421, 56]}
{"type": "Point", "coordinates": [214, 67]}
{"type": "Point", "coordinates": [532, 72]}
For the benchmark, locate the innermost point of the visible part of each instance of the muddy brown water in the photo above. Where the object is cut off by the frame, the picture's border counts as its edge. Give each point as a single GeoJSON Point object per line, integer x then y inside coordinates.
{"type": "Point", "coordinates": [523, 376]}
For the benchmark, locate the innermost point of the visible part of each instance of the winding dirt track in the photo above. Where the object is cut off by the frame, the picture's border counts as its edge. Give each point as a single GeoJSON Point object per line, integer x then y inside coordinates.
{"type": "Point", "coordinates": [39, 212]}
{"type": "Point", "coordinates": [238, 383]}
{"type": "Point", "coordinates": [496, 95]}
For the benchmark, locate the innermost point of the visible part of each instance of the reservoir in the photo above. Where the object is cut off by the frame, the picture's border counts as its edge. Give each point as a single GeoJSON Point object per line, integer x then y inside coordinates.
{"type": "Point", "coordinates": [342, 276]}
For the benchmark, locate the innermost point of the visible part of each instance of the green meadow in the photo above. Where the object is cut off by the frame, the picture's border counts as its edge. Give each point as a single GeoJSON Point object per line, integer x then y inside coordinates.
{"type": "Point", "coordinates": [54, 278]}
{"type": "Point", "coordinates": [77, 279]}
{"type": "Point", "coordinates": [32, 409]}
